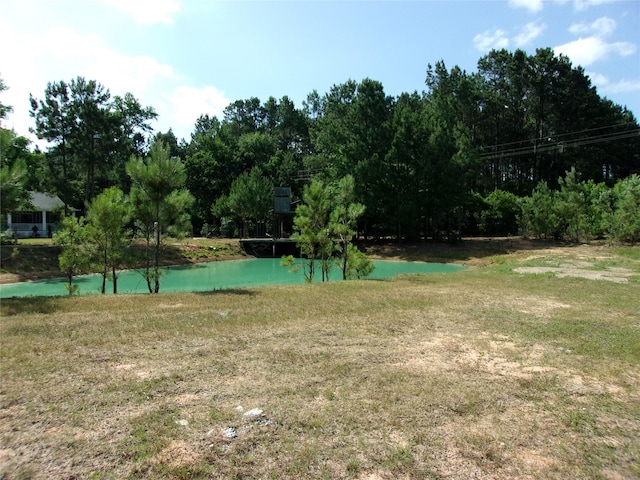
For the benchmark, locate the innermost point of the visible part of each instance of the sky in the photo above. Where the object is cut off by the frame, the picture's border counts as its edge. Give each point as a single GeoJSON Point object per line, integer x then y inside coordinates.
{"type": "Point", "coordinates": [186, 58]}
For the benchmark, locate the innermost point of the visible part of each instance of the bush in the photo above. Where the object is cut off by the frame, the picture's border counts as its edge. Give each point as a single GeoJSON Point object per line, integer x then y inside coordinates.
{"type": "Point", "coordinates": [500, 215]}
{"type": "Point", "coordinates": [626, 217]}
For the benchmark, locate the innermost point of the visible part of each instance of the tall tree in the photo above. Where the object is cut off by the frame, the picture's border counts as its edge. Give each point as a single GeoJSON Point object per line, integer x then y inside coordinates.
{"type": "Point", "coordinates": [324, 226]}
{"type": "Point", "coordinates": [352, 135]}
{"type": "Point", "coordinates": [71, 236]}
{"type": "Point", "coordinates": [13, 175]}
{"type": "Point", "coordinates": [449, 158]}
{"type": "Point", "coordinates": [93, 131]}
{"type": "Point", "coordinates": [250, 198]}
{"type": "Point", "coordinates": [405, 180]}
{"type": "Point", "coordinates": [344, 220]}
{"type": "Point", "coordinates": [627, 209]}
{"type": "Point", "coordinates": [255, 150]}
{"type": "Point", "coordinates": [92, 136]}
{"type": "Point", "coordinates": [210, 166]}
{"type": "Point", "coordinates": [245, 116]}
{"type": "Point", "coordinates": [171, 141]}
{"type": "Point", "coordinates": [132, 137]}
{"type": "Point", "coordinates": [311, 228]}
{"type": "Point", "coordinates": [14, 148]}
{"type": "Point", "coordinates": [160, 203]}
{"type": "Point", "coordinates": [4, 109]}
{"type": "Point", "coordinates": [54, 122]}
{"type": "Point", "coordinates": [107, 215]}
{"type": "Point", "coordinates": [542, 116]}
{"type": "Point", "coordinates": [13, 193]}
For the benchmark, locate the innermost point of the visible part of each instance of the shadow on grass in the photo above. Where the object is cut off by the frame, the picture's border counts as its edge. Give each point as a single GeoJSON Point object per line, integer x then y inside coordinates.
{"type": "Point", "coordinates": [27, 305]}
{"type": "Point", "coordinates": [467, 249]}
{"type": "Point", "coordinates": [229, 291]}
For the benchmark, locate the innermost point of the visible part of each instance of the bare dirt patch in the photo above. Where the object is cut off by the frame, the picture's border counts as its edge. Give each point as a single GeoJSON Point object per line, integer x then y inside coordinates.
{"type": "Point", "coordinates": [178, 454]}
{"type": "Point", "coordinates": [617, 275]}
{"type": "Point", "coordinates": [578, 261]}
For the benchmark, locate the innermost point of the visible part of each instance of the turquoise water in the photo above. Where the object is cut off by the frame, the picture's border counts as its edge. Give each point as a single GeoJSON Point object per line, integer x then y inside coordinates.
{"type": "Point", "coordinates": [209, 276]}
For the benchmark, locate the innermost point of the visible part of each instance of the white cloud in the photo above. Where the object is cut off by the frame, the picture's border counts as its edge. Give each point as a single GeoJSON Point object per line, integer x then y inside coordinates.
{"type": "Point", "coordinates": [601, 27]}
{"type": "Point", "coordinates": [497, 39]}
{"type": "Point", "coordinates": [90, 57]}
{"type": "Point", "coordinates": [587, 51]}
{"type": "Point", "coordinates": [489, 40]}
{"type": "Point", "coordinates": [61, 54]}
{"type": "Point", "coordinates": [186, 104]}
{"type": "Point", "coordinates": [598, 79]}
{"type": "Point", "coordinates": [148, 11]}
{"type": "Point", "coordinates": [623, 86]}
{"type": "Point", "coordinates": [531, 5]}
{"type": "Point", "coordinates": [581, 5]}
{"type": "Point", "coordinates": [529, 33]}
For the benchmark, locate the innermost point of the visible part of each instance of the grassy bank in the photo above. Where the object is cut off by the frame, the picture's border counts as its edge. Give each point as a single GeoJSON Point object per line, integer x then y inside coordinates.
{"type": "Point", "coordinates": [36, 258]}
{"type": "Point", "coordinates": [486, 373]}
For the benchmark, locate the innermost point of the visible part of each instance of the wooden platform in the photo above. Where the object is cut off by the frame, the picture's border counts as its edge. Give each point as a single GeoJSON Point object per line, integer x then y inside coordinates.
{"type": "Point", "coordinates": [269, 247]}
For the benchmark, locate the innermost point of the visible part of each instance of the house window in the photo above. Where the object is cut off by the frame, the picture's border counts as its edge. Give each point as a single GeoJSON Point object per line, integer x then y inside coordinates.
{"type": "Point", "coordinates": [27, 217]}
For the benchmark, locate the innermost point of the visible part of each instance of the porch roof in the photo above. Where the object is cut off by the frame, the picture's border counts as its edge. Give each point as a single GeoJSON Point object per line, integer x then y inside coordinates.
{"type": "Point", "coordinates": [43, 202]}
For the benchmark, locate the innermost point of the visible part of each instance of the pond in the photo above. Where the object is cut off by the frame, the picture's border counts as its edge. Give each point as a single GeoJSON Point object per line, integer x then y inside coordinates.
{"type": "Point", "coordinates": [223, 275]}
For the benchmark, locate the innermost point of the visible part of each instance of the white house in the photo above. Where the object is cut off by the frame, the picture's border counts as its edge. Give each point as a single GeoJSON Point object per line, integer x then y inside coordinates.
{"type": "Point", "coordinates": [38, 222]}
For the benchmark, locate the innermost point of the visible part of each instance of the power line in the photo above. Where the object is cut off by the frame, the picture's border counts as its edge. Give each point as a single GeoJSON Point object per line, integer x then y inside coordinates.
{"type": "Point", "coordinates": [534, 148]}
{"type": "Point", "coordinates": [561, 135]}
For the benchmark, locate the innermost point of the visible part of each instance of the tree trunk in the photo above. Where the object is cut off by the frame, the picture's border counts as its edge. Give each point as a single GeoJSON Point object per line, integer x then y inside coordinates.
{"type": "Point", "coordinates": [105, 269]}
{"type": "Point", "coordinates": [345, 259]}
{"type": "Point", "coordinates": [156, 268]}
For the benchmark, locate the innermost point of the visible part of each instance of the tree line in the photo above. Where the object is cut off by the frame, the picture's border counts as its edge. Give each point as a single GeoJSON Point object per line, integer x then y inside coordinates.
{"type": "Point", "coordinates": [468, 155]}
{"type": "Point", "coordinates": [156, 206]}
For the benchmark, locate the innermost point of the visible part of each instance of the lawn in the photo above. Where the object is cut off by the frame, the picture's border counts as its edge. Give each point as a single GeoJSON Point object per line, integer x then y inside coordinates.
{"type": "Point", "coordinates": [501, 371]}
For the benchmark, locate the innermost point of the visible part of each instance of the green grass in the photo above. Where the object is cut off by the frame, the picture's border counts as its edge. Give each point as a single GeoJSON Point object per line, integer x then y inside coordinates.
{"type": "Point", "coordinates": [484, 372]}
{"type": "Point", "coordinates": [632, 253]}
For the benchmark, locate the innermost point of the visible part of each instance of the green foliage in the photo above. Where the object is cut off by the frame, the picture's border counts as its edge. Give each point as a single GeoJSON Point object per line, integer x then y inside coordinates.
{"type": "Point", "coordinates": [250, 198]}
{"type": "Point", "coordinates": [343, 219]}
{"type": "Point", "coordinates": [419, 161]}
{"type": "Point", "coordinates": [72, 236]}
{"type": "Point", "coordinates": [540, 216]}
{"type": "Point", "coordinates": [107, 216]}
{"type": "Point", "coordinates": [582, 210]}
{"type": "Point", "coordinates": [4, 109]}
{"type": "Point", "coordinates": [92, 136]}
{"type": "Point", "coordinates": [626, 218]}
{"type": "Point", "coordinates": [273, 137]}
{"type": "Point", "coordinates": [15, 149]}
{"type": "Point", "coordinates": [358, 264]}
{"type": "Point", "coordinates": [324, 226]}
{"type": "Point", "coordinates": [13, 193]}
{"type": "Point", "coordinates": [311, 225]}
{"type": "Point", "coordinates": [160, 203]}
{"type": "Point", "coordinates": [573, 204]}
{"type": "Point", "coordinates": [501, 213]}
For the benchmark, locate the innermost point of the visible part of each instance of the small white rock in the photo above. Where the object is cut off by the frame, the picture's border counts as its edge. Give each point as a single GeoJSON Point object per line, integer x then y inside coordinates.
{"type": "Point", "coordinates": [230, 432]}
{"type": "Point", "coordinates": [182, 422]}
{"type": "Point", "coordinates": [239, 409]}
{"type": "Point", "coordinates": [254, 412]}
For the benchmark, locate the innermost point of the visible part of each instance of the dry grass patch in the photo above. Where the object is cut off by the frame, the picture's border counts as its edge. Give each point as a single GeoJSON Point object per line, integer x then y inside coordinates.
{"type": "Point", "coordinates": [480, 374]}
